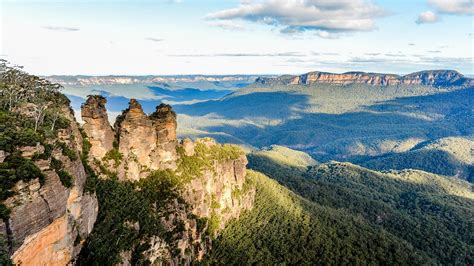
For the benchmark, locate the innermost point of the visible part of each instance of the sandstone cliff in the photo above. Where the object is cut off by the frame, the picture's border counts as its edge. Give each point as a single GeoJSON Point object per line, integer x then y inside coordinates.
{"type": "Point", "coordinates": [436, 78]}
{"type": "Point", "coordinates": [49, 218]}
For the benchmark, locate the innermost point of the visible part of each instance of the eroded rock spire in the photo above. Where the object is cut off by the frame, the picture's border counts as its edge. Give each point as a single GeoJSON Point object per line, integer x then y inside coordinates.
{"type": "Point", "coordinates": [96, 126]}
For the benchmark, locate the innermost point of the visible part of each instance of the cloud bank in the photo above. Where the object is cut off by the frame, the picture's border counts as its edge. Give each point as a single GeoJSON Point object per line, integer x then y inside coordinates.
{"type": "Point", "coordinates": [453, 7]}
{"type": "Point", "coordinates": [294, 16]}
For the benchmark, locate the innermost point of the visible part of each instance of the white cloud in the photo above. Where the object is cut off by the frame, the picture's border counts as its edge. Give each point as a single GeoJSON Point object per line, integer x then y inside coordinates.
{"type": "Point", "coordinates": [454, 7]}
{"type": "Point", "coordinates": [292, 16]}
{"type": "Point", "coordinates": [427, 17]}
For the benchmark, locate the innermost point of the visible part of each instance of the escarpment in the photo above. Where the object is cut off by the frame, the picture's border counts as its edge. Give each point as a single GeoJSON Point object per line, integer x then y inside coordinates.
{"type": "Point", "coordinates": [435, 78]}
{"type": "Point", "coordinates": [188, 190]}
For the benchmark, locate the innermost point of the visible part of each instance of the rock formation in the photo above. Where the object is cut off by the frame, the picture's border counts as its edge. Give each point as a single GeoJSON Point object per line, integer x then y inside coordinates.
{"type": "Point", "coordinates": [145, 143]}
{"type": "Point", "coordinates": [436, 78]}
{"type": "Point", "coordinates": [48, 221]}
{"type": "Point", "coordinates": [96, 126]}
{"type": "Point", "coordinates": [213, 192]}
{"type": "Point", "coordinates": [219, 185]}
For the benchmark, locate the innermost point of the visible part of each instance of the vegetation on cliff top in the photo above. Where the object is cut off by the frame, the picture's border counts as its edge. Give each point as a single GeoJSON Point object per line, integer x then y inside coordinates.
{"type": "Point", "coordinates": [30, 116]}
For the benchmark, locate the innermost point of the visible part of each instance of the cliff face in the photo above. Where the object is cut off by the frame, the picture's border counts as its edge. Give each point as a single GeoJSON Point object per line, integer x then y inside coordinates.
{"type": "Point", "coordinates": [436, 78]}
{"type": "Point", "coordinates": [212, 182]}
{"type": "Point", "coordinates": [48, 220]}
{"type": "Point", "coordinates": [210, 199]}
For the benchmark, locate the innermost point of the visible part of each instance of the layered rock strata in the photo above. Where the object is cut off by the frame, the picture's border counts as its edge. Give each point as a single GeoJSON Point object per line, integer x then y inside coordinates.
{"type": "Point", "coordinates": [97, 127]}
{"type": "Point", "coordinates": [48, 221]}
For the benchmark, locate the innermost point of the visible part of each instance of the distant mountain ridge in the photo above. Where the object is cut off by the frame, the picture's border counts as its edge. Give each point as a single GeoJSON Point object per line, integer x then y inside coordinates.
{"type": "Point", "coordinates": [145, 79]}
{"type": "Point", "coordinates": [436, 78]}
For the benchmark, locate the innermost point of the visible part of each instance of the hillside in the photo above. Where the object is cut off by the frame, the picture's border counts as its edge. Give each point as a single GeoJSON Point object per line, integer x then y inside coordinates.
{"type": "Point", "coordinates": [433, 213]}
{"type": "Point", "coordinates": [453, 156]}
{"type": "Point", "coordinates": [284, 228]}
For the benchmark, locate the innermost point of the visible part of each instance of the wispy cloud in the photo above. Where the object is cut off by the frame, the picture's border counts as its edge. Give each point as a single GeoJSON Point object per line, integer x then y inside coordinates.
{"type": "Point", "coordinates": [323, 17]}
{"type": "Point", "coordinates": [226, 25]}
{"type": "Point", "coordinates": [394, 55]}
{"type": "Point", "coordinates": [427, 17]}
{"type": "Point", "coordinates": [285, 54]}
{"type": "Point", "coordinates": [154, 39]}
{"type": "Point", "coordinates": [62, 29]}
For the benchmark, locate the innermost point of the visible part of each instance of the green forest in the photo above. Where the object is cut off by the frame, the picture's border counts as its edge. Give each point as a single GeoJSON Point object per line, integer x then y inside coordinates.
{"type": "Point", "coordinates": [429, 215]}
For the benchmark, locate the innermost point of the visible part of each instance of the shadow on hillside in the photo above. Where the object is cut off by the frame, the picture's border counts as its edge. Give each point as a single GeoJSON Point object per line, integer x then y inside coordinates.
{"type": "Point", "coordinates": [259, 104]}
{"type": "Point", "coordinates": [327, 135]}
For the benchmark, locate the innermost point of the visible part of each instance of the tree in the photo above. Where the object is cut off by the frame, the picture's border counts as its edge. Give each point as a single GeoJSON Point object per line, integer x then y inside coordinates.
{"type": "Point", "coordinates": [17, 86]}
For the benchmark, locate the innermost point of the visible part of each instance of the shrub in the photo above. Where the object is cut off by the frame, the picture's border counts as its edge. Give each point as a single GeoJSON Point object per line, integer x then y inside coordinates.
{"type": "Point", "coordinates": [114, 155]}
{"type": "Point", "coordinates": [66, 151]}
{"type": "Point", "coordinates": [66, 179]}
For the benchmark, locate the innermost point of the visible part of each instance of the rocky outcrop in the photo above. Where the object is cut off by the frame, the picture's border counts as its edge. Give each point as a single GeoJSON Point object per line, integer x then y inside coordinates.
{"type": "Point", "coordinates": [211, 199]}
{"type": "Point", "coordinates": [217, 192]}
{"type": "Point", "coordinates": [146, 143]}
{"type": "Point", "coordinates": [97, 127]}
{"type": "Point", "coordinates": [435, 78]}
{"type": "Point", "coordinates": [164, 121]}
{"type": "Point", "coordinates": [48, 221]}
{"type": "Point", "coordinates": [136, 141]}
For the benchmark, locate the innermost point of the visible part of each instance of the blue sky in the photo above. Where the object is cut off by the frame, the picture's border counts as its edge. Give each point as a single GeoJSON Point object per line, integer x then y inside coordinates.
{"type": "Point", "coordinates": [237, 37]}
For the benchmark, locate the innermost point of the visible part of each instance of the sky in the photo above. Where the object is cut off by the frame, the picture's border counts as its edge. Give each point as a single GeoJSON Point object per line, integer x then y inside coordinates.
{"type": "Point", "coordinates": [170, 37]}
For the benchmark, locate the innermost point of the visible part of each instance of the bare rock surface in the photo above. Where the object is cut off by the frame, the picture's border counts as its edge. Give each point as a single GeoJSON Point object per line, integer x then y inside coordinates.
{"type": "Point", "coordinates": [97, 127]}
{"type": "Point", "coordinates": [46, 217]}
